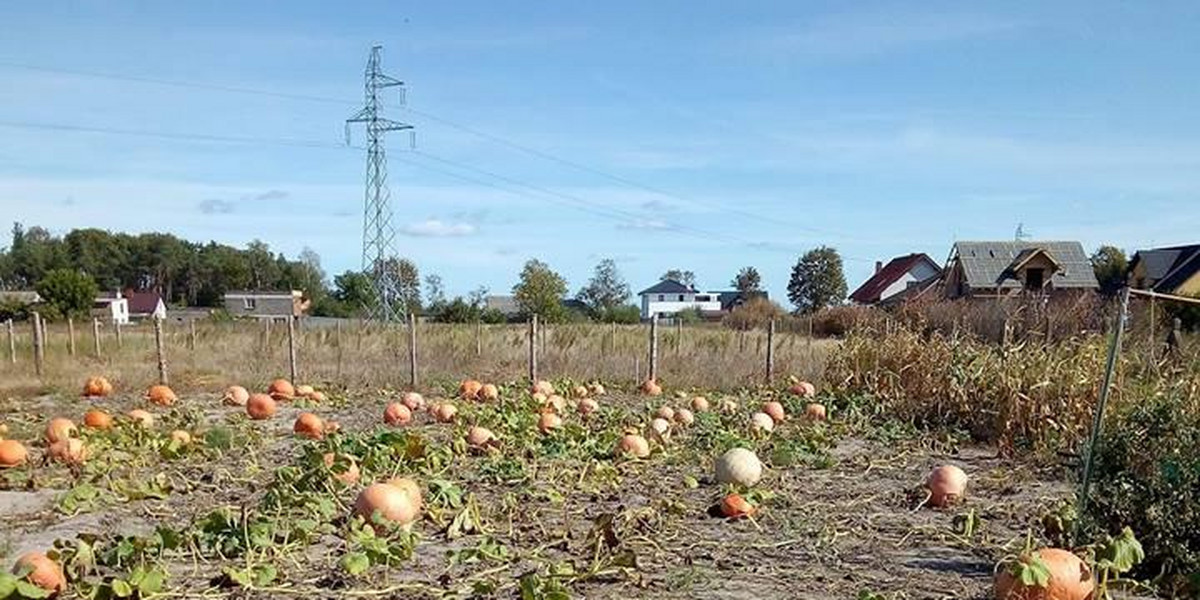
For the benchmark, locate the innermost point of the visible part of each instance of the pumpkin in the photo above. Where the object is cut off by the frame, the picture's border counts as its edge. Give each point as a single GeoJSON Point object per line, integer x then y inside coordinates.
{"type": "Point", "coordinates": [684, 416]}
{"type": "Point", "coordinates": [413, 401]}
{"type": "Point", "coordinates": [774, 410]}
{"type": "Point", "coordinates": [317, 397]}
{"type": "Point", "coordinates": [141, 418]}
{"type": "Point", "coordinates": [633, 445]}
{"type": "Point", "coordinates": [469, 389]}
{"type": "Point", "coordinates": [700, 404]}
{"type": "Point", "coordinates": [946, 484]}
{"type": "Point", "coordinates": [596, 389]}
{"type": "Point", "coordinates": [729, 405]}
{"type": "Point", "coordinates": [305, 391]}
{"type": "Point", "coordinates": [814, 412]}
{"type": "Point", "coordinates": [762, 423]}
{"type": "Point", "coordinates": [445, 412]}
{"type": "Point", "coordinates": [586, 406]}
{"type": "Point", "coordinates": [480, 437]}
{"type": "Point", "coordinates": [161, 395]}
{"type": "Point", "coordinates": [1070, 579]}
{"type": "Point", "coordinates": [42, 571]}
{"type": "Point", "coordinates": [397, 414]}
{"type": "Point", "coordinates": [739, 466]}
{"type": "Point", "coordinates": [579, 391]}
{"type": "Point", "coordinates": [349, 476]}
{"type": "Point", "coordinates": [388, 503]}
{"type": "Point", "coordinates": [281, 389]}
{"type": "Point", "coordinates": [489, 392]}
{"type": "Point", "coordinates": [181, 437]}
{"type": "Point", "coordinates": [549, 422]}
{"type": "Point", "coordinates": [235, 395]}
{"type": "Point", "coordinates": [650, 388]}
{"type": "Point", "coordinates": [70, 451]}
{"type": "Point", "coordinates": [310, 426]}
{"type": "Point", "coordinates": [660, 429]}
{"type": "Point", "coordinates": [97, 387]}
{"type": "Point", "coordinates": [409, 487]}
{"type": "Point", "coordinates": [260, 407]}
{"type": "Point", "coordinates": [59, 429]}
{"type": "Point", "coordinates": [556, 403]}
{"type": "Point", "coordinates": [734, 506]}
{"type": "Point", "coordinates": [12, 454]}
{"type": "Point", "coordinates": [665, 412]}
{"type": "Point", "coordinates": [803, 389]}
{"type": "Point", "coordinates": [332, 426]}
{"type": "Point", "coordinates": [97, 419]}
{"type": "Point", "coordinates": [543, 387]}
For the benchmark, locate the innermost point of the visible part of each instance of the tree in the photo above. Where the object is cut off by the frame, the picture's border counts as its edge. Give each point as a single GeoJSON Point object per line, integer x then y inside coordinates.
{"type": "Point", "coordinates": [687, 278]}
{"type": "Point", "coordinates": [435, 294]}
{"type": "Point", "coordinates": [817, 280]}
{"type": "Point", "coordinates": [67, 292]}
{"type": "Point", "coordinates": [1110, 265]}
{"type": "Point", "coordinates": [540, 292]}
{"type": "Point", "coordinates": [747, 280]}
{"type": "Point", "coordinates": [605, 291]}
{"type": "Point", "coordinates": [355, 291]}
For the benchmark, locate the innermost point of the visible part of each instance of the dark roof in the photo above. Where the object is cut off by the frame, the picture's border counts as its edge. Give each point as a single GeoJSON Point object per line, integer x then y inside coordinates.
{"type": "Point", "coordinates": [734, 299]}
{"type": "Point", "coordinates": [261, 293]}
{"type": "Point", "coordinates": [505, 304]}
{"type": "Point", "coordinates": [986, 265]}
{"type": "Point", "coordinates": [668, 286]}
{"type": "Point", "coordinates": [143, 303]}
{"type": "Point", "coordinates": [871, 289]}
{"type": "Point", "coordinates": [575, 304]}
{"type": "Point", "coordinates": [1167, 268]}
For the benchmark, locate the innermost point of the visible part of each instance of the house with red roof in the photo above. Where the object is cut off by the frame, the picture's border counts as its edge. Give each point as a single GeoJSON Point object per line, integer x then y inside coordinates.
{"type": "Point", "coordinates": [900, 275]}
{"type": "Point", "coordinates": [145, 305]}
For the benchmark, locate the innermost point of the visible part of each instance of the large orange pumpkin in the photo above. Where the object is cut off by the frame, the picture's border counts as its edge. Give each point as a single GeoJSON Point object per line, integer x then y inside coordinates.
{"type": "Point", "coordinates": [397, 413]}
{"type": "Point", "coordinates": [235, 395]}
{"type": "Point", "coordinates": [260, 406]}
{"type": "Point", "coordinates": [651, 388]}
{"type": "Point", "coordinates": [388, 502]}
{"type": "Point", "coordinates": [59, 429]}
{"type": "Point", "coordinates": [469, 389]}
{"type": "Point", "coordinates": [12, 454]}
{"type": "Point", "coordinates": [42, 571]}
{"type": "Point", "coordinates": [97, 387]}
{"type": "Point", "coordinates": [97, 419]}
{"type": "Point", "coordinates": [281, 389]}
{"type": "Point", "coordinates": [70, 451]}
{"type": "Point", "coordinates": [350, 475]}
{"type": "Point", "coordinates": [1070, 579]}
{"type": "Point", "coordinates": [161, 395]}
{"type": "Point", "coordinates": [310, 426]}
{"type": "Point", "coordinates": [141, 418]}
{"type": "Point", "coordinates": [946, 484]}
{"type": "Point", "coordinates": [489, 392]}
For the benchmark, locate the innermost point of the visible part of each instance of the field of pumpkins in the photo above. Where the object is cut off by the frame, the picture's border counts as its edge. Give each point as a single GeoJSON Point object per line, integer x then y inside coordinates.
{"type": "Point", "coordinates": [559, 489]}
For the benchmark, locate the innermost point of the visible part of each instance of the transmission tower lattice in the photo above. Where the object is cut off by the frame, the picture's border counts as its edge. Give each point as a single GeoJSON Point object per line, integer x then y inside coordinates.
{"type": "Point", "coordinates": [379, 260]}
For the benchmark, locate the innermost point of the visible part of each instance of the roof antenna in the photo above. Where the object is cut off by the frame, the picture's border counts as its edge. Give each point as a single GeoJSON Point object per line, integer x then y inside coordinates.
{"type": "Point", "coordinates": [1021, 235]}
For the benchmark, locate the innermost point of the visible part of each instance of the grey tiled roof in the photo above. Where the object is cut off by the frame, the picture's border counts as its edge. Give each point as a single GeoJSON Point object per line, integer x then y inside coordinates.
{"type": "Point", "coordinates": [986, 264]}
{"type": "Point", "coordinates": [667, 286]}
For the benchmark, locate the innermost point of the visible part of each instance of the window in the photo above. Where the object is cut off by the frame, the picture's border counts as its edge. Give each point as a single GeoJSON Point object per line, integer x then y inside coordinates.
{"type": "Point", "coordinates": [681, 297]}
{"type": "Point", "coordinates": [661, 297]}
{"type": "Point", "coordinates": [702, 298]}
{"type": "Point", "coordinates": [1034, 279]}
{"type": "Point", "coordinates": [249, 303]}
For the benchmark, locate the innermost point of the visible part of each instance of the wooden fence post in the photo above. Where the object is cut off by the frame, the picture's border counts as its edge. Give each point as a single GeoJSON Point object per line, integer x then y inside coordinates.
{"type": "Point", "coordinates": [71, 335]}
{"type": "Point", "coordinates": [339, 349]}
{"type": "Point", "coordinates": [291, 322]}
{"type": "Point", "coordinates": [160, 350]}
{"type": "Point", "coordinates": [117, 331]}
{"type": "Point", "coordinates": [192, 334]}
{"type": "Point", "coordinates": [412, 350]}
{"type": "Point", "coordinates": [533, 370]}
{"type": "Point", "coordinates": [637, 369]}
{"type": "Point", "coordinates": [653, 376]}
{"type": "Point", "coordinates": [12, 343]}
{"type": "Point", "coordinates": [96, 336]}
{"type": "Point", "coordinates": [39, 354]}
{"type": "Point", "coordinates": [267, 333]}
{"type": "Point", "coordinates": [612, 343]}
{"type": "Point", "coordinates": [678, 335]}
{"type": "Point", "coordinates": [479, 338]}
{"type": "Point", "coordinates": [770, 351]}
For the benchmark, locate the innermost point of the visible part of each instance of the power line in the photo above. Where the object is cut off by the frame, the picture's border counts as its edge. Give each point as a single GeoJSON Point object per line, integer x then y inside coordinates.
{"type": "Point", "coordinates": [772, 219]}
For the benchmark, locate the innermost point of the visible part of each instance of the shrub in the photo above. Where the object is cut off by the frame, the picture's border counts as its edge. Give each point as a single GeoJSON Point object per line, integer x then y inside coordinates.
{"type": "Point", "coordinates": [67, 292]}
{"type": "Point", "coordinates": [837, 321]}
{"type": "Point", "coordinates": [755, 313]}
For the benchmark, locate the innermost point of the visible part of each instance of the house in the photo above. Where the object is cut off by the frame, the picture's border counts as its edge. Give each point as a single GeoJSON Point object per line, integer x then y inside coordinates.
{"type": "Point", "coordinates": [668, 297]}
{"type": "Point", "coordinates": [1173, 270]}
{"type": "Point", "coordinates": [20, 297]}
{"type": "Point", "coordinates": [266, 304]}
{"type": "Point", "coordinates": [111, 307]}
{"type": "Point", "coordinates": [900, 274]}
{"type": "Point", "coordinates": [1012, 268]}
{"type": "Point", "coordinates": [145, 305]}
{"type": "Point", "coordinates": [507, 306]}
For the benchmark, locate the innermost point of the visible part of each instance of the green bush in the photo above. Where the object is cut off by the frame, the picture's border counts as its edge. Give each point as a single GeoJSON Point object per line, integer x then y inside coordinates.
{"type": "Point", "coordinates": [67, 293]}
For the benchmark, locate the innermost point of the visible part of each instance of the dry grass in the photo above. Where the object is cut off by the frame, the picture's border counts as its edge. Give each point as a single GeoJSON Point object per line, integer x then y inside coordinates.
{"type": "Point", "coordinates": [361, 356]}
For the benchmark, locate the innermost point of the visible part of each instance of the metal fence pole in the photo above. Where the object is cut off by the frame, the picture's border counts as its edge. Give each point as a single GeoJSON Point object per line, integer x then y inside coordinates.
{"type": "Point", "coordinates": [412, 350]}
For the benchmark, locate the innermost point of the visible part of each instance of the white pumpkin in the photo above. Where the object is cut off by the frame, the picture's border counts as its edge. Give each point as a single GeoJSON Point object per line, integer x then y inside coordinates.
{"type": "Point", "coordinates": [739, 466]}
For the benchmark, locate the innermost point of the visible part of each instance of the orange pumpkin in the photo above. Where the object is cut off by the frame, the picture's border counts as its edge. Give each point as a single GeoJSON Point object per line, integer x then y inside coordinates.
{"type": "Point", "coordinates": [489, 392]}
{"type": "Point", "coordinates": [633, 445]}
{"type": "Point", "coordinates": [814, 412]}
{"type": "Point", "coordinates": [141, 418]}
{"type": "Point", "coordinates": [97, 387]}
{"type": "Point", "coordinates": [774, 410]}
{"type": "Point", "coordinates": [260, 406]}
{"type": "Point", "coordinates": [469, 389]}
{"type": "Point", "coordinates": [803, 389]}
{"type": "Point", "coordinates": [41, 571]}
{"type": "Point", "coordinates": [350, 475]}
{"type": "Point", "coordinates": [12, 454]}
{"type": "Point", "coordinates": [391, 502]}
{"type": "Point", "coordinates": [235, 395]}
{"type": "Point", "coordinates": [310, 426]}
{"type": "Point", "coordinates": [445, 412]}
{"type": "Point", "coordinates": [397, 414]}
{"type": "Point", "coordinates": [734, 506]}
{"type": "Point", "coordinates": [97, 419]}
{"type": "Point", "coordinates": [161, 395]}
{"type": "Point", "coordinates": [651, 388]}
{"type": "Point", "coordinates": [59, 429]}
{"type": "Point", "coordinates": [181, 437]}
{"type": "Point", "coordinates": [70, 451]}
{"type": "Point", "coordinates": [281, 389]}
{"type": "Point", "coordinates": [1070, 579]}
{"type": "Point", "coordinates": [946, 484]}
{"type": "Point", "coordinates": [543, 387]}
{"type": "Point", "coordinates": [413, 401]}
{"type": "Point", "coordinates": [549, 422]}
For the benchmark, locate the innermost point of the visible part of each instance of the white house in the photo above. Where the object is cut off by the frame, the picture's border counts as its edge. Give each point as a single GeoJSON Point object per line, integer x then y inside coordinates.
{"type": "Point", "coordinates": [112, 309]}
{"type": "Point", "coordinates": [667, 297]}
{"type": "Point", "coordinates": [899, 275]}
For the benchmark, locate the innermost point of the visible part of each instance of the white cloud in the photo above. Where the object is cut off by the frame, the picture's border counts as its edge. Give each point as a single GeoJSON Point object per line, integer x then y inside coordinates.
{"type": "Point", "coordinates": [647, 224]}
{"type": "Point", "coordinates": [438, 228]}
{"type": "Point", "coordinates": [857, 35]}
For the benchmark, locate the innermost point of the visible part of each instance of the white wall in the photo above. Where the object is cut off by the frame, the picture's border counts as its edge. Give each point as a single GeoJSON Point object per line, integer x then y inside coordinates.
{"type": "Point", "coordinates": [920, 272]}
{"type": "Point", "coordinates": [671, 304]}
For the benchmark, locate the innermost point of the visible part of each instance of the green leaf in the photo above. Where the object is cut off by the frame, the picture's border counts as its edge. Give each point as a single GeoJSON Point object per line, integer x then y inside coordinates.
{"type": "Point", "coordinates": [151, 581]}
{"type": "Point", "coordinates": [265, 575]}
{"type": "Point", "coordinates": [1122, 553]}
{"type": "Point", "coordinates": [356, 563]}
{"type": "Point", "coordinates": [1032, 572]}
{"type": "Point", "coordinates": [8, 585]}
{"type": "Point", "coordinates": [121, 588]}
{"type": "Point", "coordinates": [26, 589]}
{"type": "Point", "coordinates": [690, 482]}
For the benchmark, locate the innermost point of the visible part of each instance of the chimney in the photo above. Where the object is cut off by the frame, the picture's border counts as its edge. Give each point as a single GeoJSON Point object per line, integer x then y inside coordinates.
{"type": "Point", "coordinates": [878, 266]}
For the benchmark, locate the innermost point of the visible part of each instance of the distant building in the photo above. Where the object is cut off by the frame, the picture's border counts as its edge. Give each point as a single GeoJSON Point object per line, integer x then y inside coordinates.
{"type": "Point", "coordinates": [668, 298]}
{"type": "Point", "coordinates": [507, 306]}
{"type": "Point", "coordinates": [1173, 270]}
{"type": "Point", "coordinates": [111, 307]}
{"type": "Point", "coordinates": [889, 282]}
{"type": "Point", "coordinates": [1005, 269]}
{"type": "Point", "coordinates": [266, 304]}
{"type": "Point", "coordinates": [22, 297]}
{"type": "Point", "coordinates": [145, 305]}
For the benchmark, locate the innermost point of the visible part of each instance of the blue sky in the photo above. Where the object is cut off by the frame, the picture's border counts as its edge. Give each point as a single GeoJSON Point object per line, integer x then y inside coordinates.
{"type": "Point", "coordinates": [712, 135]}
